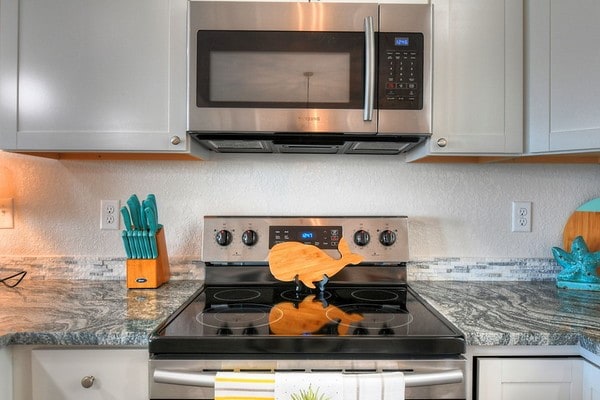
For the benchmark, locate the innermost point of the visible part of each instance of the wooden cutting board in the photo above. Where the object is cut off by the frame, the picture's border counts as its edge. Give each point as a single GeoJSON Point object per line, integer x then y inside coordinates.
{"type": "Point", "coordinates": [290, 259]}
{"type": "Point", "coordinates": [585, 222]}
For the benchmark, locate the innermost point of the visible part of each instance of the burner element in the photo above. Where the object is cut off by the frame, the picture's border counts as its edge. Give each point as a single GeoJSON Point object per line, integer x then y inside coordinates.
{"type": "Point", "coordinates": [382, 318]}
{"type": "Point", "coordinates": [239, 316]}
{"type": "Point", "coordinates": [379, 295]}
{"type": "Point", "coordinates": [237, 295]}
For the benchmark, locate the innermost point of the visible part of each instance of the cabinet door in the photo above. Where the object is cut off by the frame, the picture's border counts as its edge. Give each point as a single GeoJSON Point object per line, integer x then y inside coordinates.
{"type": "Point", "coordinates": [83, 75]}
{"type": "Point", "coordinates": [6, 393]}
{"type": "Point", "coordinates": [117, 374]}
{"type": "Point", "coordinates": [477, 78]}
{"type": "Point", "coordinates": [529, 378]}
{"type": "Point", "coordinates": [563, 76]}
{"type": "Point", "coordinates": [591, 382]}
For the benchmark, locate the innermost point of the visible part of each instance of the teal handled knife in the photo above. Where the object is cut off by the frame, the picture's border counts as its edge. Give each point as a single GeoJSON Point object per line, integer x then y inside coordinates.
{"type": "Point", "coordinates": [132, 246]}
{"type": "Point", "coordinates": [144, 239]}
{"type": "Point", "coordinates": [136, 243]}
{"type": "Point", "coordinates": [126, 218]}
{"type": "Point", "coordinates": [134, 209]}
{"type": "Point", "coordinates": [151, 217]}
{"type": "Point", "coordinates": [126, 244]}
{"type": "Point", "coordinates": [151, 199]}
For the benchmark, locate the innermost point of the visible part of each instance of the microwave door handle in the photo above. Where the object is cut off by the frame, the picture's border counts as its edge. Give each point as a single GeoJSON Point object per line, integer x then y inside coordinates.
{"type": "Point", "coordinates": [369, 69]}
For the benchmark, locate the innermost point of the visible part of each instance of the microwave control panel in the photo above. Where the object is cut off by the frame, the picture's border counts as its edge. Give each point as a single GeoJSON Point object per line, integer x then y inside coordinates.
{"type": "Point", "coordinates": [400, 71]}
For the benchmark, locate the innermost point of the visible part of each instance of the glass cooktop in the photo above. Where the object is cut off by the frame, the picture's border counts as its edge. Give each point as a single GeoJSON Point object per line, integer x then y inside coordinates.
{"type": "Point", "coordinates": [279, 319]}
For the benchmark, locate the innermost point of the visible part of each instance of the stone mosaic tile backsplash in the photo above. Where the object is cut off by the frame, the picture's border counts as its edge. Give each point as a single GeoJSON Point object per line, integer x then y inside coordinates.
{"type": "Point", "coordinates": [451, 269]}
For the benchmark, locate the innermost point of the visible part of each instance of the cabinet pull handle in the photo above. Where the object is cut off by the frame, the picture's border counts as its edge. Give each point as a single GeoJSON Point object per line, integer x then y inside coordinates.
{"type": "Point", "coordinates": [87, 381]}
{"type": "Point", "coordinates": [175, 140]}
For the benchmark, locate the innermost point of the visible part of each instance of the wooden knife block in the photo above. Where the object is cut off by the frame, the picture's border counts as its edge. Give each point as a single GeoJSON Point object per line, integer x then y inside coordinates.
{"type": "Point", "coordinates": [150, 273]}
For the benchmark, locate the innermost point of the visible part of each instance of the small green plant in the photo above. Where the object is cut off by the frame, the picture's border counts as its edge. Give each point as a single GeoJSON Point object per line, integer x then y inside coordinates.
{"type": "Point", "coordinates": [309, 394]}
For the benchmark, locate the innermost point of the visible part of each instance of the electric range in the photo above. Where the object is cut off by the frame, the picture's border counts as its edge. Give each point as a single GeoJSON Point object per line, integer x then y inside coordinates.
{"type": "Point", "coordinates": [364, 318]}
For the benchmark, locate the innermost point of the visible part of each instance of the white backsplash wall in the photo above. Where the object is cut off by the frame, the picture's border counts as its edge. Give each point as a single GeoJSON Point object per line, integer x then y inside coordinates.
{"type": "Point", "coordinates": [455, 210]}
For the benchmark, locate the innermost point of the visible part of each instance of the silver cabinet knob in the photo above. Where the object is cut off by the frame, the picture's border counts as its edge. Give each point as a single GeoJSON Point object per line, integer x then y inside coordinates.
{"type": "Point", "coordinates": [442, 142]}
{"type": "Point", "coordinates": [175, 140]}
{"type": "Point", "coordinates": [87, 381]}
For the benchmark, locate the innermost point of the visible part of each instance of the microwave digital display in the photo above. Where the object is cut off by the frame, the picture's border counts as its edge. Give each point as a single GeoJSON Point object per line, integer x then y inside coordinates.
{"type": "Point", "coordinates": [401, 41]}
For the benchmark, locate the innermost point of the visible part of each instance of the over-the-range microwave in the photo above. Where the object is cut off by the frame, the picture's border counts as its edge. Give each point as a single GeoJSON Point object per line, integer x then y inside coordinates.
{"type": "Point", "coordinates": [309, 77]}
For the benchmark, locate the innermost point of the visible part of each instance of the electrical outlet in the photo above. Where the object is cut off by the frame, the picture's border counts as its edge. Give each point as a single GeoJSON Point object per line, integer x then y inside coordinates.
{"type": "Point", "coordinates": [521, 216]}
{"type": "Point", "coordinates": [109, 214]}
{"type": "Point", "coordinates": [6, 213]}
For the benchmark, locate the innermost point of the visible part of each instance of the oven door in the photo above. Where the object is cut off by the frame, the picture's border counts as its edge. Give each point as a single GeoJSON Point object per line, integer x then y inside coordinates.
{"type": "Point", "coordinates": [194, 379]}
{"type": "Point", "coordinates": [282, 67]}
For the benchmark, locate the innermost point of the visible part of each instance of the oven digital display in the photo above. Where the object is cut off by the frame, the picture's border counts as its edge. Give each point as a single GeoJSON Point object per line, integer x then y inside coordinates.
{"type": "Point", "coordinates": [324, 237]}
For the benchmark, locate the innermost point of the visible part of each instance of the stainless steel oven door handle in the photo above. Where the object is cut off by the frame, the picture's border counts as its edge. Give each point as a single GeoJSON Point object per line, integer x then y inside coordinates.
{"type": "Point", "coordinates": [208, 380]}
{"type": "Point", "coordinates": [369, 69]}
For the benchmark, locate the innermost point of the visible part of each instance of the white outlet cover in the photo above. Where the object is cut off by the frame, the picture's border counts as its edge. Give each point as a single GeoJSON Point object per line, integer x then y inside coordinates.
{"type": "Point", "coordinates": [521, 216]}
{"type": "Point", "coordinates": [109, 214]}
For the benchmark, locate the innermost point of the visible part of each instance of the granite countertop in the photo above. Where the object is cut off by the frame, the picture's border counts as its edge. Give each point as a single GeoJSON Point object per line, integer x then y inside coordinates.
{"type": "Point", "coordinates": [86, 312]}
{"type": "Point", "coordinates": [94, 312]}
{"type": "Point", "coordinates": [517, 313]}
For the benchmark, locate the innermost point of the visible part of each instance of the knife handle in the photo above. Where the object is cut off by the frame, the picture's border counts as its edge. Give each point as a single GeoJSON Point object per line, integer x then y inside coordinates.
{"type": "Point", "coordinates": [126, 218]}
{"type": "Point", "coordinates": [134, 208]}
{"type": "Point", "coordinates": [126, 244]}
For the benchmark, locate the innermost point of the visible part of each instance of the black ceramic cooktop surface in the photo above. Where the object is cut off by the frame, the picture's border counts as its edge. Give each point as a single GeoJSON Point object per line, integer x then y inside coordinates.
{"type": "Point", "coordinates": [280, 320]}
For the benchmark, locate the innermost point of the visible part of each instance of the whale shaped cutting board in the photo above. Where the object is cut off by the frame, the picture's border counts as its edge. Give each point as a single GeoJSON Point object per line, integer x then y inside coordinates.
{"type": "Point", "coordinates": [308, 262]}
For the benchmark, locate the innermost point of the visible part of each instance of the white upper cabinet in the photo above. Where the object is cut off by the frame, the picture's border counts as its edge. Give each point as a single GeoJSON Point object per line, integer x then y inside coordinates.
{"type": "Point", "coordinates": [562, 76]}
{"type": "Point", "coordinates": [93, 76]}
{"type": "Point", "coordinates": [477, 79]}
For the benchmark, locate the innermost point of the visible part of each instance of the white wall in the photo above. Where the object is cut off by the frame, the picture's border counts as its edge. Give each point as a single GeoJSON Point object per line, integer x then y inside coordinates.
{"type": "Point", "coordinates": [455, 209]}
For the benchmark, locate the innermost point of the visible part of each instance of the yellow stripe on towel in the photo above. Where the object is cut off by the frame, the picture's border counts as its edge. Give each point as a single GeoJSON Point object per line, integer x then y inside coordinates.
{"type": "Point", "coordinates": [244, 380]}
{"type": "Point", "coordinates": [243, 398]}
{"type": "Point", "coordinates": [244, 386]}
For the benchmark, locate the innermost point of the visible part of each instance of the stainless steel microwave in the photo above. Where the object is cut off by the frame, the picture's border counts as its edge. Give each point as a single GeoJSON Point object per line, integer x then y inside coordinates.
{"type": "Point", "coordinates": [309, 77]}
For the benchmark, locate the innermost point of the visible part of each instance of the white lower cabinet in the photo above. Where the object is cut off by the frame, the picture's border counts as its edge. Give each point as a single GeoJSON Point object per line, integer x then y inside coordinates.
{"type": "Point", "coordinates": [58, 374]}
{"type": "Point", "coordinates": [530, 379]}
{"type": "Point", "coordinates": [6, 391]}
{"type": "Point", "coordinates": [591, 382]}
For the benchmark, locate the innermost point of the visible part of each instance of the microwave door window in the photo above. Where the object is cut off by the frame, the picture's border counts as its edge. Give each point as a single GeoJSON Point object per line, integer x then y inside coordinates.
{"type": "Point", "coordinates": [280, 77]}
{"type": "Point", "coordinates": [274, 69]}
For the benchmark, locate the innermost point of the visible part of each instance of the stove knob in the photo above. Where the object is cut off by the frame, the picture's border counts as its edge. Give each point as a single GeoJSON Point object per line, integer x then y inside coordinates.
{"type": "Point", "coordinates": [249, 237]}
{"type": "Point", "coordinates": [223, 237]}
{"type": "Point", "coordinates": [387, 238]}
{"type": "Point", "coordinates": [362, 238]}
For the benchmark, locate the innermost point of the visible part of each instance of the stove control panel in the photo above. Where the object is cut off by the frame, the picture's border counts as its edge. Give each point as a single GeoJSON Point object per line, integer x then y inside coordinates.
{"type": "Point", "coordinates": [248, 240]}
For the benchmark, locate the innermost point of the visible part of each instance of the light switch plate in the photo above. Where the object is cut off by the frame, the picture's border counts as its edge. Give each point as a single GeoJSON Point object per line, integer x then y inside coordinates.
{"type": "Point", "coordinates": [6, 213]}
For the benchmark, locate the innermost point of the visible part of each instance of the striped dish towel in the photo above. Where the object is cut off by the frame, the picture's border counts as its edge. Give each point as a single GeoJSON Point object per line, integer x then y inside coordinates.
{"type": "Point", "coordinates": [244, 386]}
{"type": "Point", "coordinates": [309, 385]}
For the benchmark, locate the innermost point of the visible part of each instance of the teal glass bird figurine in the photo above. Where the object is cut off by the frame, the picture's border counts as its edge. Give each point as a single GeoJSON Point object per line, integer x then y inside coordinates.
{"type": "Point", "coordinates": [581, 268]}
